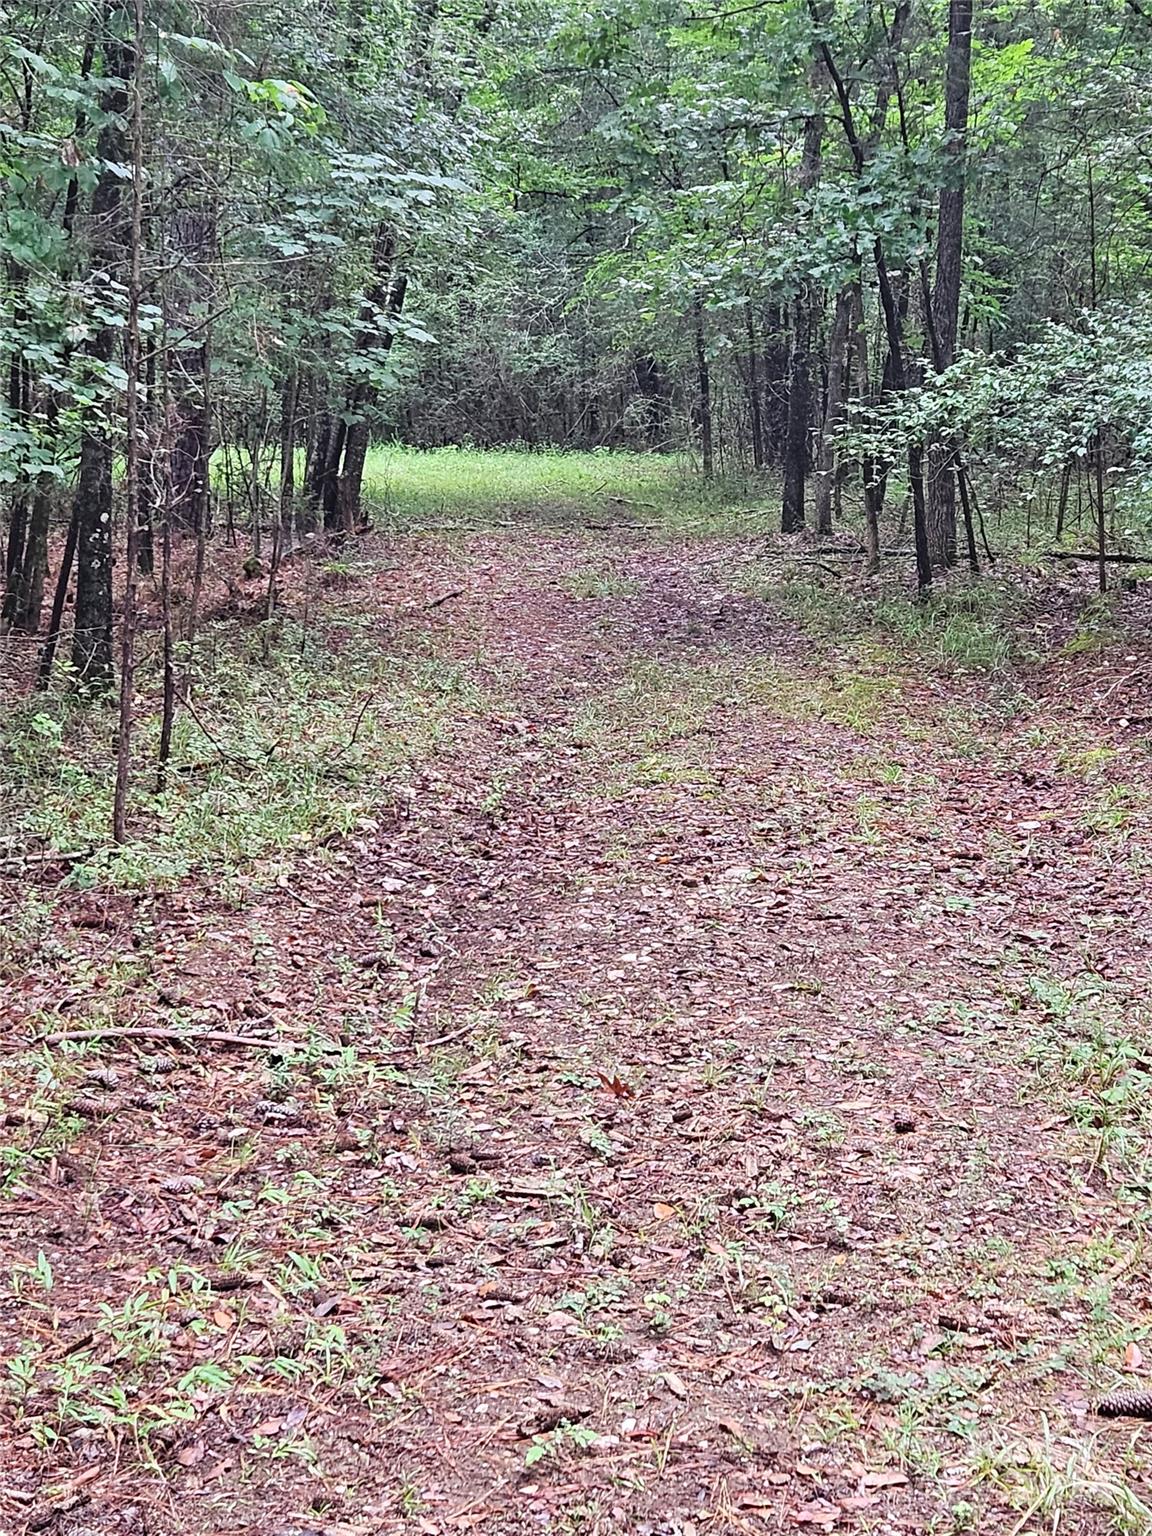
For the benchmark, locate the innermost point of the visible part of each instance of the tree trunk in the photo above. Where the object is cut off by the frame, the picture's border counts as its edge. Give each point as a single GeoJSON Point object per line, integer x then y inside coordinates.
{"type": "Point", "coordinates": [949, 261]}
{"type": "Point", "coordinates": [873, 486]}
{"type": "Point", "coordinates": [133, 375]}
{"type": "Point", "coordinates": [799, 411]}
{"type": "Point", "coordinates": [650, 387]}
{"type": "Point", "coordinates": [343, 478]}
{"type": "Point", "coordinates": [59, 602]}
{"type": "Point", "coordinates": [800, 364]}
{"type": "Point", "coordinates": [28, 598]}
{"type": "Point", "coordinates": [19, 409]}
{"type": "Point", "coordinates": [289, 402]}
{"type": "Point", "coordinates": [703, 411]}
{"type": "Point", "coordinates": [893, 324]}
{"type": "Point", "coordinates": [834, 410]}
{"type": "Point", "coordinates": [755, 413]}
{"type": "Point", "coordinates": [92, 639]}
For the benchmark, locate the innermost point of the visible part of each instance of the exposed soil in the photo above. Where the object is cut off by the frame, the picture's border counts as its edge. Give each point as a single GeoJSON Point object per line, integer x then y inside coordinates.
{"type": "Point", "coordinates": [739, 1126]}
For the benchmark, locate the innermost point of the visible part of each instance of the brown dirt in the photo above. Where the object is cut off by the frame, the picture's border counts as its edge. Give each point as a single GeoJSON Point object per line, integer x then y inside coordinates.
{"type": "Point", "coordinates": [708, 1005]}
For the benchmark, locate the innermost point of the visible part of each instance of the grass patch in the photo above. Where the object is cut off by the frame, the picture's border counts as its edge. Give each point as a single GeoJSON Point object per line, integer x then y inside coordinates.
{"type": "Point", "coordinates": [657, 704]}
{"type": "Point", "coordinates": [971, 625]}
{"type": "Point", "coordinates": [413, 487]}
{"type": "Point", "coordinates": [593, 583]}
{"type": "Point", "coordinates": [1093, 1064]}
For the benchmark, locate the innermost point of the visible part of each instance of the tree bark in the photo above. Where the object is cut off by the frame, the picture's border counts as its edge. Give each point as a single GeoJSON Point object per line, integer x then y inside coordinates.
{"type": "Point", "coordinates": [133, 374]}
{"type": "Point", "coordinates": [799, 412]}
{"type": "Point", "coordinates": [92, 637]}
{"type": "Point", "coordinates": [834, 411]}
{"type": "Point", "coordinates": [28, 597]}
{"type": "Point", "coordinates": [755, 410]}
{"type": "Point", "coordinates": [800, 363]}
{"type": "Point", "coordinates": [59, 602]}
{"type": "Point", "coordinates": [703, 411]}
{"type": "Point", "coordinates": [949, 266]}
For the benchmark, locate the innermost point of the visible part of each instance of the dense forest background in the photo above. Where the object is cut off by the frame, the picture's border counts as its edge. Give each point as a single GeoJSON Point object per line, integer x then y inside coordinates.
{"type": "Point", "coordinates": [888, 259]}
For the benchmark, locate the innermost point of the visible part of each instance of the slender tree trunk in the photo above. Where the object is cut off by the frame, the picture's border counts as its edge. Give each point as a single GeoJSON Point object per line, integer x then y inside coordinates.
{"type": "Point", "coordinates": [943, 468]}
{"type": "Point", "coordinates": [1062, 501]}
{"type": "Point", "coordinates": [799, 413]}
{"type": "Point", "coordinates": [1101, 519]}
{"type": "Point", "coordinates": [92, 638]}
{"type": "Point", "coordinates": [133, 379]}
{"type": "Point", "coordinates": [755, 413]}
{"type": "Point", "coordinates": [145, 538]}
{"type": "Point", "coordinates": [289, 404]}
{"type": "Point", "coordinates": [800, 364]}
{"type": "Point", "coordinates": [318, 462]}
{"type": "Point", "coordinates": [703, 412]}
{"type": "Point", "coordinates": [892, 319]}
{"type": "Point", "coordinates": [59, 602]}
{"type": "Point", "coordinates": [29, 595]}
{"type": "Point", "coordinates": [330, 476]}
{"type": "Point", "coordinates": [873, 492]}
{"type": "Point", "coordinates": [168, 706]}
{"type": "Point", "coordinates": [834, 411]}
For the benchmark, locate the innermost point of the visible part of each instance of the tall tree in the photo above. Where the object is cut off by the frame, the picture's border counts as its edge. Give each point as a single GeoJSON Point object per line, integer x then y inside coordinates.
{"type": "Point", "coordinates": [108, 243]}
{"type": "Point", "coordinates": [949, 267]}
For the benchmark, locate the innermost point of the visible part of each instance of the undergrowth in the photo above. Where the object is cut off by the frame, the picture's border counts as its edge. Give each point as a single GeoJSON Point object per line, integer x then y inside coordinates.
{"type": "Point", "coordinates": [286, 739]}
{"type": "Point", "coordinates": [972, 624]}
{"type": "Point", "coordinates": [1091, 1062]}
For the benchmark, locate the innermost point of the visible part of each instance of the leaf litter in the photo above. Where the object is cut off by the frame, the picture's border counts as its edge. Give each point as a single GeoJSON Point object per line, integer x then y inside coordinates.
{"type": "Point", "coordinates": [710, 1099]}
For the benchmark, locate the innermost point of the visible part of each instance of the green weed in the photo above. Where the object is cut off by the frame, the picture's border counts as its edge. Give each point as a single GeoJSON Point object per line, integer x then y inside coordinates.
{"type": "Point", "coordinates": [595, 583]}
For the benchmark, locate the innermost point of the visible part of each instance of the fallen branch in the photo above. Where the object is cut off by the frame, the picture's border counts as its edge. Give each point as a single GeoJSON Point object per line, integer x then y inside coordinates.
{"type": "Point", "coordinates": [456, 1034]}
{"type": "Point", "coordinates": [845, 553]}
{"type": "Point", "coordinates": [222, 1037]}
{"type": "Point", "coordinates": [18, 861]}
{"type": "Point", "coordinates": [444, 597]}
{"type": "Point", "coordinates": [143, 1032]}
{"type": "Point", "coordinates": [619, 527]}
{"type": "Point", "coordinates": [1078, 554]}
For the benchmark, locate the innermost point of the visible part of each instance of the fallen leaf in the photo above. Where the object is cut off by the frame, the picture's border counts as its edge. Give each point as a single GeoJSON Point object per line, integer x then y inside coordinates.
{"type": "Point", "coordinates": [674, 1384]}
{"type": "Point", "coordinates": [819, 1512]}
{"type": "Point", "coordinates": [191, 1455]}
{"type": "Point", "coordinates": [884, 1477]}
{"type": "Point", "coordinates": [615, 1086]}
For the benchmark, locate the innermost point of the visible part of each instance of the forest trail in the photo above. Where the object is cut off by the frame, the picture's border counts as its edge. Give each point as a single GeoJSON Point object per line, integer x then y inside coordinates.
{"type": "Point", "coordinates": [738, 1119]}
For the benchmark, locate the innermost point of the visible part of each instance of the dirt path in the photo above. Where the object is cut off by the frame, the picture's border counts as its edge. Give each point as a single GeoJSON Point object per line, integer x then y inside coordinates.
{"type": "Point", "coordinates": [740, 1122]}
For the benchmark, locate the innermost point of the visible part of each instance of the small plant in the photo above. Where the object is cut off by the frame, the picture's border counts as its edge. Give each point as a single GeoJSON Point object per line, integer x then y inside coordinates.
{"type": "Point", "coordinates": [593, 583]}
{"type": "Point", "coordinates": [658, 1304]}
{"type": "Point", "coordinates": [566, 1437]}
{"type": "Point", "coordinates": [39, 1273]}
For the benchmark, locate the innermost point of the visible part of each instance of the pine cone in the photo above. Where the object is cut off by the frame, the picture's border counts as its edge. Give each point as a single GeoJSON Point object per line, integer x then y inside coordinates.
{"type": "Point", "coordinates": [1126, 1405]}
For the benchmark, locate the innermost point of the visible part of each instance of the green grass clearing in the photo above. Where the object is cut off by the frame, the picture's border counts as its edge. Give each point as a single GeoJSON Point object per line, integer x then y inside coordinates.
{"type": "Point", "coordinates": [411, 487]}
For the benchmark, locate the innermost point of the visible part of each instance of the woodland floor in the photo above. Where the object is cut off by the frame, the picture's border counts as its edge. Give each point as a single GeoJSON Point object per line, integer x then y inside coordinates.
{"type": "Point", "coordinates": [718, 1098]}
